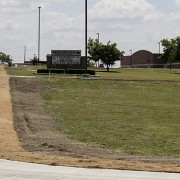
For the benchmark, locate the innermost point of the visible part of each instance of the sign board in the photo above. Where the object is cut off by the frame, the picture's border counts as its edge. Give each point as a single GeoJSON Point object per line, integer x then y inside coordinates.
{"type": "Point", "coordinates": [66, 57]}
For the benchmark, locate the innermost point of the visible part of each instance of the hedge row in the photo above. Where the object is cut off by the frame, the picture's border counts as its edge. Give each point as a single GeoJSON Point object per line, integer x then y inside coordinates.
{"type": "Point", "coordinates": [62, 71]}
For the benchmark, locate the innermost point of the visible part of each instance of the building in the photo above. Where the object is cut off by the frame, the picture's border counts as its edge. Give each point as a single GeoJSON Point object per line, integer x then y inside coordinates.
{"type": "Point", "coordinates": [146, 59]}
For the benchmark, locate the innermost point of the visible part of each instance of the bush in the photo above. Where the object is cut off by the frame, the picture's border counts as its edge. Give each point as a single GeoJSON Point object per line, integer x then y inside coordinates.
{"type": "Point", "coordinates": [80, 71]}
{"type": "Point", "coordinates": [62, 71]}
{"type": "Point", "coordinates": [52, 71]}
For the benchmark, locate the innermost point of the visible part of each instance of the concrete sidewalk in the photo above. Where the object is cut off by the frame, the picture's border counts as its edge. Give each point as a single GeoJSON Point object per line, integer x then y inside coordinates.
{"type": "Point", "coordinates": [10, 170]}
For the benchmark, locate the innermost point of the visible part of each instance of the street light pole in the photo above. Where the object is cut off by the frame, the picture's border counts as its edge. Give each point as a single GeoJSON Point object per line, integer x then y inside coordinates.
{"type": "Point", "coordinates": [159, 47]}
{"type": "Point", "coordinates": [98, 42]}
{"type": "Point", "coordinates": [130, 57]}
{"type": "Point", "coordinates": [98, 37]}
{"type": "Point", "coordinates": [24, 54]}
{"type": "Point", "coordinates": [39, 35]}
{"type": "Point", "coordinates": [86, 35]}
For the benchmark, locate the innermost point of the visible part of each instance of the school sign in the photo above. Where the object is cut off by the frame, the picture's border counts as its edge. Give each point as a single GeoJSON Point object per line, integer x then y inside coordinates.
{"type": "Point", "coordinates": [65, 59]}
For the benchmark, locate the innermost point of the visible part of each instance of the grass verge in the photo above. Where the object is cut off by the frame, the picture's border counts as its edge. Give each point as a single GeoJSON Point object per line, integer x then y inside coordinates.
{"type": "Point", "coordinates": [22, 70]}
{"type": "Point", "coordinates": [138, 118]}
{"type": "Point", "coordinates": [147, 74]}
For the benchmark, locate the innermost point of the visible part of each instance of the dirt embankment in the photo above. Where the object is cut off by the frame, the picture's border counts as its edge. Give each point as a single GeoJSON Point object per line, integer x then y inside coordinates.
{"type": "Point", "coordinates": [38, 141]}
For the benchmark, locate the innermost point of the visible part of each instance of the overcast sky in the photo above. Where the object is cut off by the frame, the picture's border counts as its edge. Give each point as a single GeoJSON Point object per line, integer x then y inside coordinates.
{"type": "Point", "coordinates": [132, 24]}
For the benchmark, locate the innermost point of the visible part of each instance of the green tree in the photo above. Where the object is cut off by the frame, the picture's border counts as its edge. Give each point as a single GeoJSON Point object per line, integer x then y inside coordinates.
{"type": "Point", "coordinates": [171, 51]}
{"type": "Point", "coordinates": [108, 53]}
{"type": "Point", "coordinates": [90, 63]}
{"type": "Point", "coordinates": [93, 49]}
{"type": "Point", "coordinates": [5, 58]}
{"type": "Point", "coordinates": [34, 60]}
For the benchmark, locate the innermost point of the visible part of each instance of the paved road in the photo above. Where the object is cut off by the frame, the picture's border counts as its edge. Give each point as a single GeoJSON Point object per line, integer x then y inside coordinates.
{"type": "Point", "coordinates": [10, 170]}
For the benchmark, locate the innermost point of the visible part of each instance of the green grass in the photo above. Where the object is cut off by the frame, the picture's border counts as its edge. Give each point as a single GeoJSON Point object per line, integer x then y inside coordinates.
{"type": "Point", "coordinates": [147, 74]}
{"type": "Point", "coordinates": [22, 70]}
{"type": "Point", "coordinates": [141, 74]}
{"type": "Point", "coordinates": [137, 118]}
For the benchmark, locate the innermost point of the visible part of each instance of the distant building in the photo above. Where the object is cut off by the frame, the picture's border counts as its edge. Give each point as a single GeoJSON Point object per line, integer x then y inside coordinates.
{"type": "Point", "coordinates": [145, 59]}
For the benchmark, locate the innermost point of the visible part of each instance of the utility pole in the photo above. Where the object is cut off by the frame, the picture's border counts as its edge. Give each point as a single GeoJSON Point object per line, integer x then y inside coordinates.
{"type": "Point", "coordinates": [39, 35]}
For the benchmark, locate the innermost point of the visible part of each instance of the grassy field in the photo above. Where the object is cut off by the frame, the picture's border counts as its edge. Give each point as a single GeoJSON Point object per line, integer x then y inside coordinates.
{"type": "Point", "coordinates": [23, 70]}
{"type": "Point", "coordinates": [141, 74]}
{"type": "Point", "coordinates": [147, 74]}
{"type": "Point", "coordinates": [138, 118]}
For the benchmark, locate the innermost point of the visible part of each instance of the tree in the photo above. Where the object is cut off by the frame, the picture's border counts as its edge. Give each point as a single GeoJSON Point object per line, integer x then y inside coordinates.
{"type": "Point", "coordinates": [34, 60]}
{"type": "Point", "coordinates": [5, 58]}
{"type": "Point", "coordinates": [171, 50]}
{"type": "Point", "coordinates": [108, 53]}
{"type": "Point", "coordinates": [90, 63]}
{"type": "Point", "coordinates": [93, 49]}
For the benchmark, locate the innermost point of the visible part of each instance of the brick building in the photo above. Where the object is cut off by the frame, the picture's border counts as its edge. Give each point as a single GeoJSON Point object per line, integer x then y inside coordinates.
{"type": "Point", "coordinates": [147, 59]}
{"type": "Point", "coordinates": [142, 59]}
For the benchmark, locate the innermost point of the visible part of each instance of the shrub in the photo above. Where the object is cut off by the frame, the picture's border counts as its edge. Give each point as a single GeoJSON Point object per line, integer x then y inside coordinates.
{"type": "Point", "coordinates": [62, 71]}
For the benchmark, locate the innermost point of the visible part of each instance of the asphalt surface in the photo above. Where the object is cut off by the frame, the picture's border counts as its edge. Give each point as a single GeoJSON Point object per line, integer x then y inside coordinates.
{"type": "Point", "coordinates": [11, 170]}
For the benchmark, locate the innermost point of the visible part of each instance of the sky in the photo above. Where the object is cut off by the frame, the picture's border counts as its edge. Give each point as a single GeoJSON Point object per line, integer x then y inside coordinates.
{"type": "Point", "coordinates": [131, 24]}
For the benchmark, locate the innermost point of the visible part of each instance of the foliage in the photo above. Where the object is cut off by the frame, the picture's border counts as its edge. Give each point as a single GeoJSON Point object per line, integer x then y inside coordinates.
{"type": "Point", "coordinates": [52, 71]}
{"type": "Point", "coordinates": [171, 49]}
{"type": "Point", "coordinates": [5, 58]}
{"type": "Point", "coordinates": [90, 63]}
{"type": "Point", "coordinates": [80, 71]}
{"type": "Point", "coordinates": [108, 53]}
{"type": "Point", "coordinates": [93, 49]}
{"type": "Point", "coordinates": [62, 71]}
{"type": "Point", "coordinates": [34, 61]}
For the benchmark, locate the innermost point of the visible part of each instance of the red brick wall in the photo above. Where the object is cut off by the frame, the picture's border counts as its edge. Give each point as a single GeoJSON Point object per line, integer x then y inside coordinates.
{"type": "Point", "coordinates": [142, 57]}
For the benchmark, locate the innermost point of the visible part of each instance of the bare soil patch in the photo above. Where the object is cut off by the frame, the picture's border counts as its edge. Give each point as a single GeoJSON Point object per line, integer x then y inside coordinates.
{"type": "Point", "coordinates": [36, 129]}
